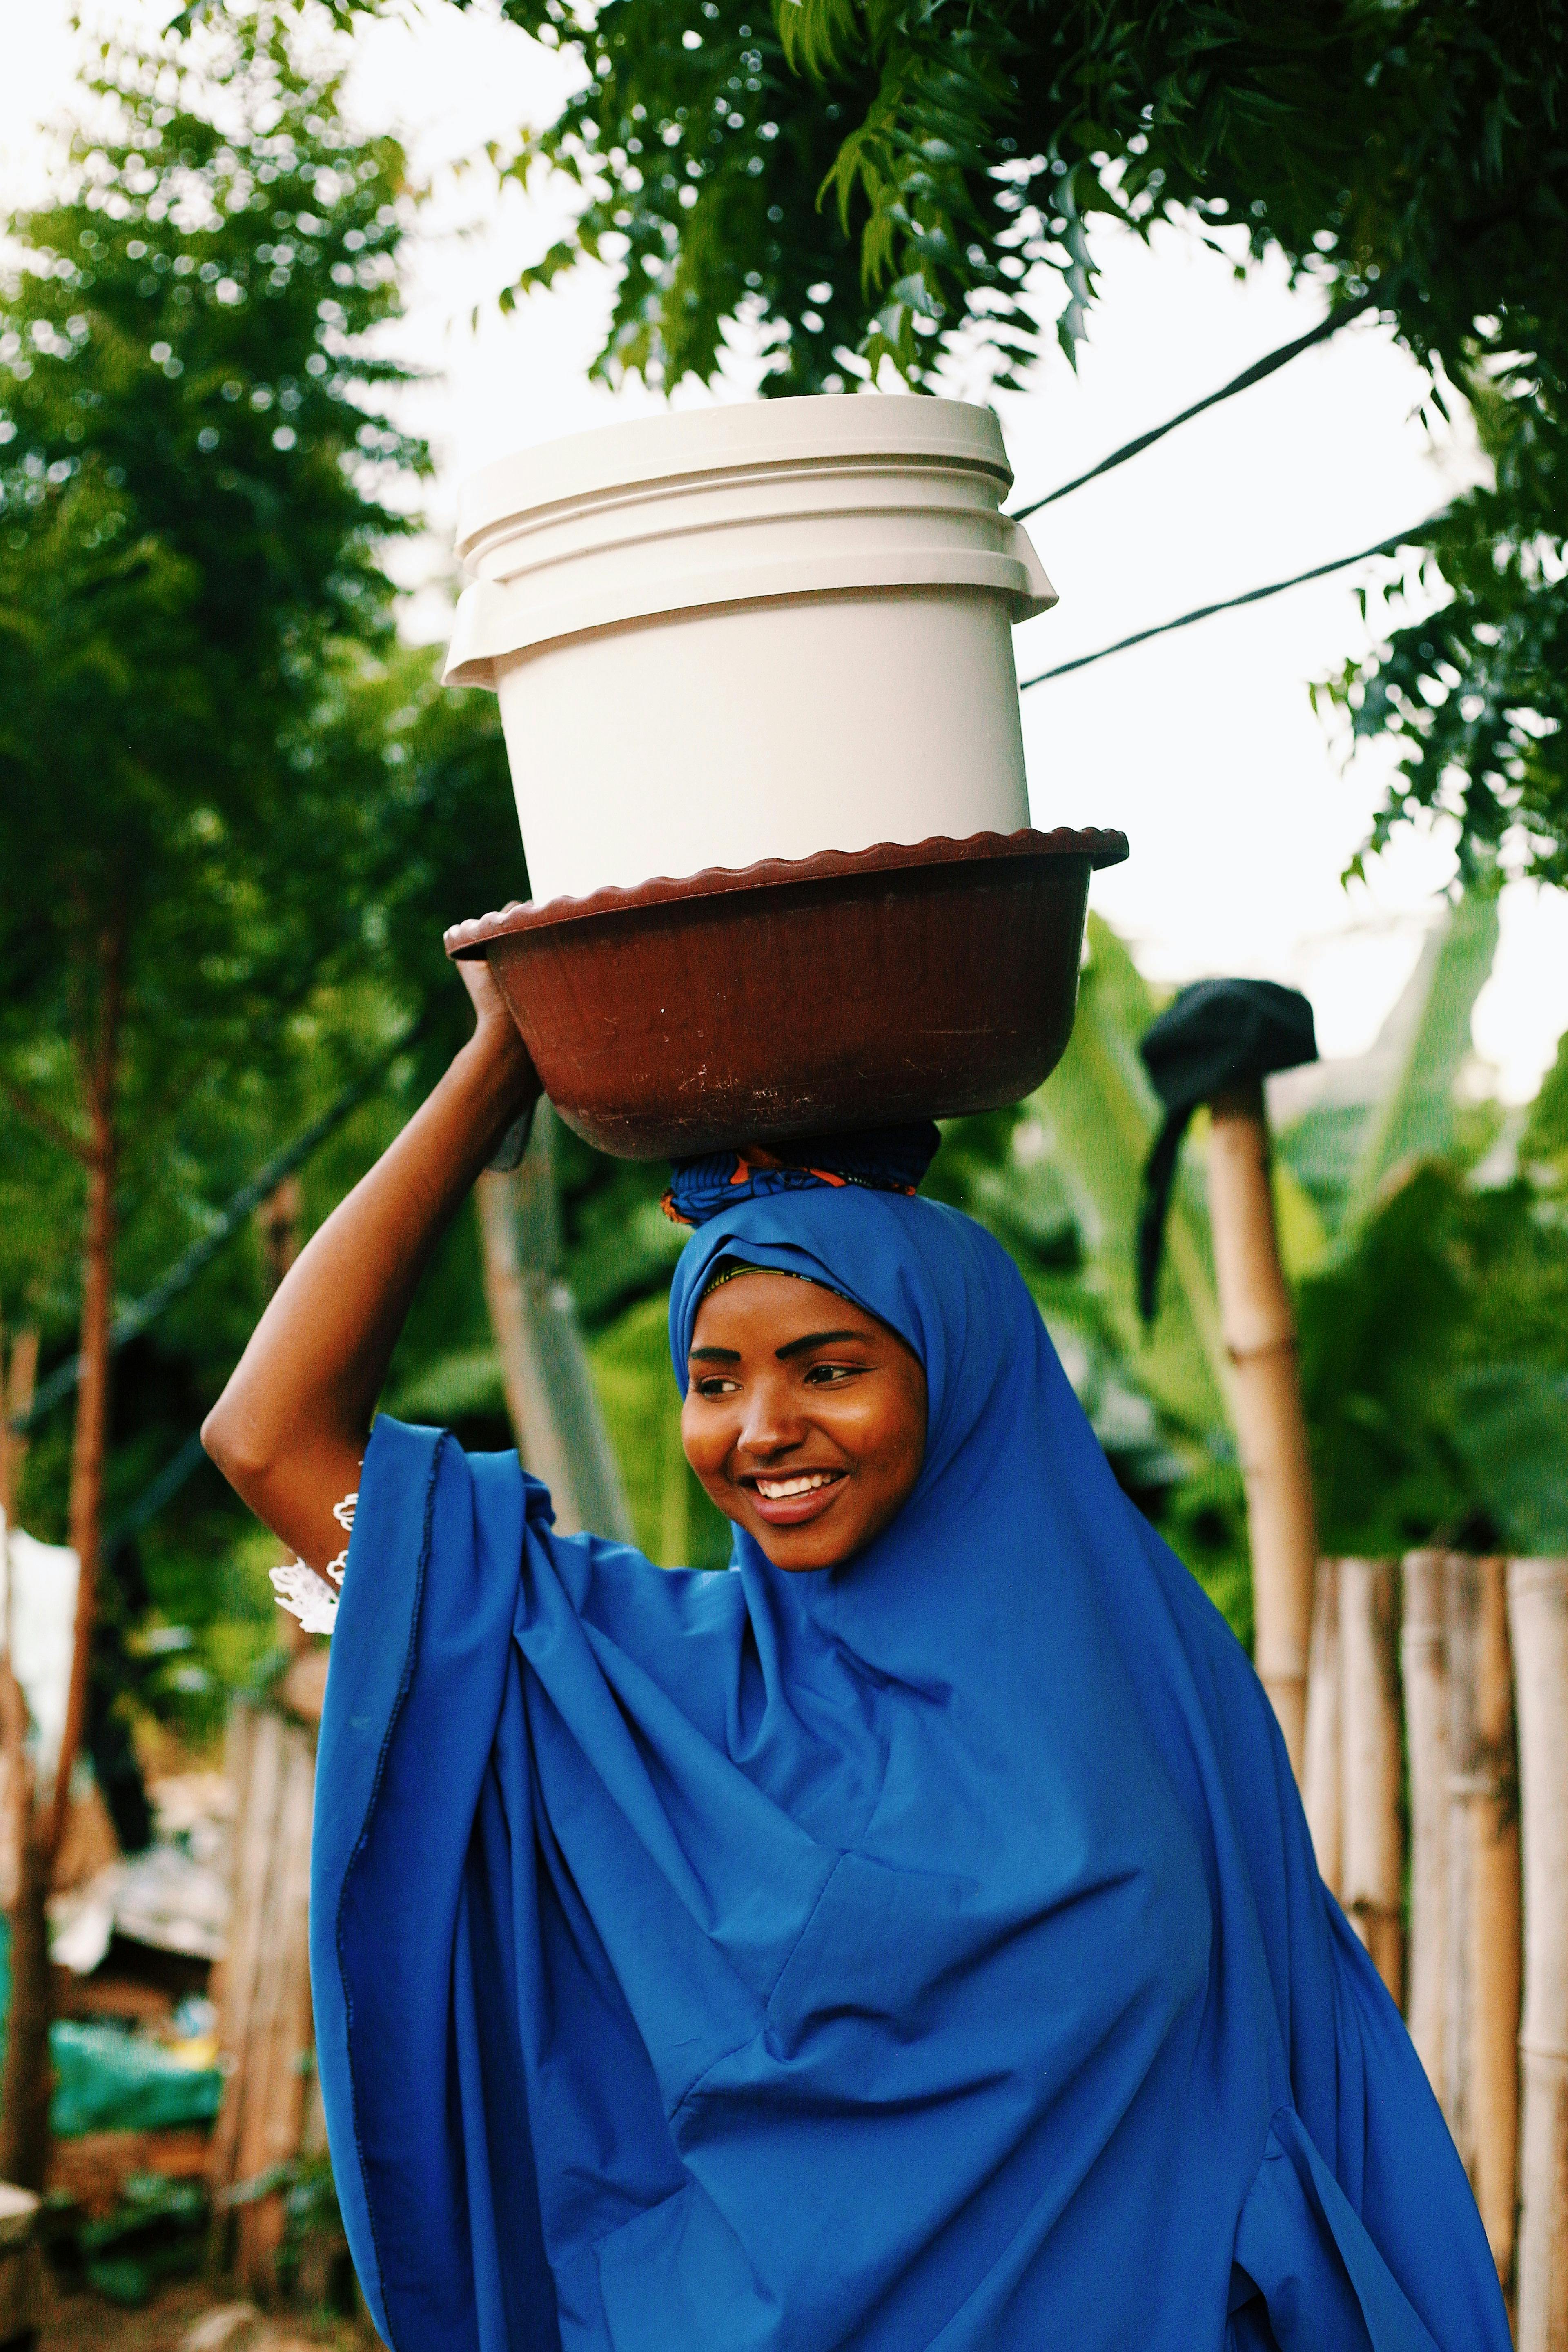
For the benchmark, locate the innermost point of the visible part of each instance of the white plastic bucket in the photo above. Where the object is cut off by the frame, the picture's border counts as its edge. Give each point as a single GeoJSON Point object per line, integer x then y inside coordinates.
{"type": "Point", "coordinates": [749, 632]}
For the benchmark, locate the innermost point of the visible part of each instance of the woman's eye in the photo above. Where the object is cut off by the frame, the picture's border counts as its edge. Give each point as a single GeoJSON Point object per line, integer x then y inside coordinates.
{"type": "Point", "coordinates": [829, 1375]}
{"type": "Point", "coordinates": [716, 1387]}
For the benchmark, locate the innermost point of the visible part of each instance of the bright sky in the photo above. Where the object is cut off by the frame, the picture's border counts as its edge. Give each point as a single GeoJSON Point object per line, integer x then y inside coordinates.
{"type": "Point", "coordinates": [1203, 747]}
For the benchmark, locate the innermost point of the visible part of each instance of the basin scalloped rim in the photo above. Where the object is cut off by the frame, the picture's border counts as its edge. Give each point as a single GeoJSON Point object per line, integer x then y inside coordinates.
{"type": "Point", "coordinates": [1102, 847]}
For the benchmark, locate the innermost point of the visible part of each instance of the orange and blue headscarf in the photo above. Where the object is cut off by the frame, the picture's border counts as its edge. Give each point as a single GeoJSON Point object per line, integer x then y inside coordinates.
{"type": "Point", "coordinates": [882, 1160]}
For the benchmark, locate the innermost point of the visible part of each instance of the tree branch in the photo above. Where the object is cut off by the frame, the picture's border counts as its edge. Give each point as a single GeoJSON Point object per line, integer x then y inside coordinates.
{"type": "Point", "coordinates": [27, 1106]}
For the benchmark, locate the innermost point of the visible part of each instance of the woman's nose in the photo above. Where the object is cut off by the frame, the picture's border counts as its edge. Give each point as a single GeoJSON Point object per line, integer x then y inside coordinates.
{"type": "Point", "coordinates": [772, 1422]}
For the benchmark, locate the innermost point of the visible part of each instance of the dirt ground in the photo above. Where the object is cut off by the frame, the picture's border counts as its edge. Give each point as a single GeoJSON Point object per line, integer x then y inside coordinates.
{"type": "Point", "coordinates": [84, 2321]}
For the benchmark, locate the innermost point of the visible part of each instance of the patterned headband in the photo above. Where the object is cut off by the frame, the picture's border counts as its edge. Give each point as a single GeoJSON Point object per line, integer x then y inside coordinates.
{"type": "Point", "coordinates": [887, 1160]}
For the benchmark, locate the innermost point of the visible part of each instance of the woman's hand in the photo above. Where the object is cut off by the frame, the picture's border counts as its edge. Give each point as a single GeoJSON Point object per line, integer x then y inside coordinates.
{"type": "Point", "coordinates": [496, 1033]}
{"type": "Point", "coordinates": [289, 1431]}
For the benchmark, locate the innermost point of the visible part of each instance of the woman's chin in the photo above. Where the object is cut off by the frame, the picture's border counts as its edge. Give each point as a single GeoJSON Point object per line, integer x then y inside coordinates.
{"type": "Point", "coordinates": [822, 1542]}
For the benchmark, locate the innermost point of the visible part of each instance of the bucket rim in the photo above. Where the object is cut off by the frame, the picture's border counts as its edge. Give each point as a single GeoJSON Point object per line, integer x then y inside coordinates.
{"type": "Point", "coordinates": [652, 452]}
{"type": "Point", "coordinates": [1097, 847]}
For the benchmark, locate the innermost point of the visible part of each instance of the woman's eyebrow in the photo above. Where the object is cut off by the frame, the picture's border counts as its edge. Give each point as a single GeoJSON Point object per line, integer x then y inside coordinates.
{"type": "Point", "coordinates": [713, 1355]}
{"type": "Point", "coordinates": [818, 1340]}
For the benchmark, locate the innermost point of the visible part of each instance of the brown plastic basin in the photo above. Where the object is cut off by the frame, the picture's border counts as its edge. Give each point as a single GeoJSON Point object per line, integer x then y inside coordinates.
{"type": "Point", "coordinates": [797, 998]}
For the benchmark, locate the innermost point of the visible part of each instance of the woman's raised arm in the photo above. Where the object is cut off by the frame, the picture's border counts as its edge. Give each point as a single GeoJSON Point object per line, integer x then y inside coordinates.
{"type": "Point", "coordinates": [289, 1431]}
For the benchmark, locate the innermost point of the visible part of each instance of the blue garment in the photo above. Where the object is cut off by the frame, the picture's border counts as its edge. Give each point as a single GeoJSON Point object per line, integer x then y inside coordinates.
{"type": "Point", "coordinates": [923, 1955]}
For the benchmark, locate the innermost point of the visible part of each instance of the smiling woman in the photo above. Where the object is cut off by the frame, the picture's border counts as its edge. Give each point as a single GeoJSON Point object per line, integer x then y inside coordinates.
{"type": "Point", "coordinates": [907, 1938]}
{"type": "Point", "coordinates": [805, 1419]}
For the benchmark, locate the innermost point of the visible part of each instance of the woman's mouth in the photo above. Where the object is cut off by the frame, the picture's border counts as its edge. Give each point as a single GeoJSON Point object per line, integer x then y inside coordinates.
{"type": "Point", "coordinates": [789, 1501]}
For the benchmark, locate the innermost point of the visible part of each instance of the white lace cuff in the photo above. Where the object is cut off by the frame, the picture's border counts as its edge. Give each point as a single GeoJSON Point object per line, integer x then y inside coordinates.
{"type": "Point", "coordinates": [307, 1596]}
{"type": "Point", "coordinates": [312, 1597]}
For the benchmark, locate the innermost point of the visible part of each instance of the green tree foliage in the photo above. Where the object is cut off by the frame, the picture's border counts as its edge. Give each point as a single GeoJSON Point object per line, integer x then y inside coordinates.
{"type": "Point", "coordinates": [1433, 1311]}
{"type": "Point", "coordinates": [192, 467]}
{"type": "Point", "coordinates": [404, 787]}
{"type": "Point", "coordinates": [1435, 1363]}
{"type": "Point", "coordinates": [861, 181]}
{"type": "Point", "coordinates": [187, 520]}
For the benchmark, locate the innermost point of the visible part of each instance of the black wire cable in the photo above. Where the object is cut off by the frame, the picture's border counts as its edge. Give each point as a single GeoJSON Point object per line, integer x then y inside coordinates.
{"type": "Point", "coordinates": [1256, 373]}
{"type": "Point", "coordinates": [1230, 603]}
{"type": "Point", "coordinates": [160, 1490]}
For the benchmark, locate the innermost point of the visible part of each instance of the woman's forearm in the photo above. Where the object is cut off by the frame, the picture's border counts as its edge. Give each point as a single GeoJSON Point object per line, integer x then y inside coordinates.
{"type": "Point", "coordinates": [289, 1431]}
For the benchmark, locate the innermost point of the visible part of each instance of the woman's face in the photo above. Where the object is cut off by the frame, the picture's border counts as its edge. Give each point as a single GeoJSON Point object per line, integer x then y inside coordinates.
{"type": "Point", "coordinates": [805, 1418]}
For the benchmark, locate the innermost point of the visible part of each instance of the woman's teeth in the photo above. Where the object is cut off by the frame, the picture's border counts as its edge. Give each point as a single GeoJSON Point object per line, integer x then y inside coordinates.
{"type": "Point", "coordinates": [780, 1490]}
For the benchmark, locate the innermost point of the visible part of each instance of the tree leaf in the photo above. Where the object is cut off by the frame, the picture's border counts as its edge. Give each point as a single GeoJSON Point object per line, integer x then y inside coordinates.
{"type": "Point", "coordinates": [1511, 1424]}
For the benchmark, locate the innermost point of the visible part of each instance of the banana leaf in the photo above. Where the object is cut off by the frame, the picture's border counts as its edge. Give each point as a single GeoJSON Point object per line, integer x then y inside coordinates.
{"type": "Point", "coordinates": [1510, 1425]}
{"type": "Point", "coordinates": [1349, 1129]}
{"type": "Point", "coordinates": [1093, 1122]}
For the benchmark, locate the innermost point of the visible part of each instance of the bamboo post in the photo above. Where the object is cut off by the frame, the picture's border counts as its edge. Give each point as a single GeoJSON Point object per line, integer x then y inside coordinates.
{"type": "Point", "coordinates": [1260, 1328]}
{"type": "Point", "coordinates": [1321, 1775]}
{"type": "Point", "coordinates": [549, 1393]}
{"type": "Point", "coordinates": [1538, 1614]}
{"type": "Point", "coordinates": [239, 1746]}
{"type": "Point", "coordinates": [1482, 2027]}
{"type": "Point", "coordinates": [255, 1830]}
{"type": "Point", "coordinates": [280, 2023]}
{"type": "Point", "coordinates": [1422, 1659]}
{"type": "Point", "coordinates": [1372, 1844]}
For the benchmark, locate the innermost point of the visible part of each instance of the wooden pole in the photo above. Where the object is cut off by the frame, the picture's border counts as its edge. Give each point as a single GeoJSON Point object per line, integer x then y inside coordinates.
{"type": "Point", "coordinates": [28, 2078]}
{"type": "Point", "coordinates": [18, 1374]}
{"type": "Point", "coordinates": [1538, 1615]}
{"type": "Point", "coordinates": [1373, 1856]}
{"type": "Point", "coordinates": [549, 1393]}
{"type": "Point", "coordinates": [1482, 2030]}
{"type": "Point", "coordinates": [279, 2024]}
{"type": "Point", "coordinates": [1260, 1328]}
{"type": "Point", "coordinates": [101, 1082]}
{"type": "Point", "coordinates": [23, 1878]}
{"type": "Point", "coordinates": [1321, 1792]}
{"type": "Point", "coordinates": [258, 1748]}
{"type": "Point", "coordinates": [1424, 1669]}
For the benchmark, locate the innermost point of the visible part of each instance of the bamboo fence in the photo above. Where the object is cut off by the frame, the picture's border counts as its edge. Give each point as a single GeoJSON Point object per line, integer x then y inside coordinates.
{"type": "Point", "coordinates": [1417, 1674]}
{"type": "Point", "coordinates": [1258, 1324]}
{"type": "Point", "coordinates": [263, 1988]}
{"type": "Point", "coordinates": [1372, 1840]}
{"type": "Point", "coordinates": [1538, 1616]}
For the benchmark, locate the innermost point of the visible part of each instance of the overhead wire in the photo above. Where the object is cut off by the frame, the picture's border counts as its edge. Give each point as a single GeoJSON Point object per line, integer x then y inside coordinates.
{"type": "Point", "coordinates": [158, 1490]}
{"type": "Point", "coordinates": [1256, 373]}
{"type": "Point", "coordinates": [1230, 603]}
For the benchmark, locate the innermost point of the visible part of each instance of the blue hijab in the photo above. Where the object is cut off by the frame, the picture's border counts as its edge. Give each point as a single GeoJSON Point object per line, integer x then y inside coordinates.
{"type": "Point", "coordinates": [921, 1955]}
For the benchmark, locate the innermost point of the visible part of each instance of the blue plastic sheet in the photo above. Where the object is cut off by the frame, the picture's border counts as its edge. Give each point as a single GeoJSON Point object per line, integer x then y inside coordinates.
{"type": "Point", "coordinates": [107, 2080]}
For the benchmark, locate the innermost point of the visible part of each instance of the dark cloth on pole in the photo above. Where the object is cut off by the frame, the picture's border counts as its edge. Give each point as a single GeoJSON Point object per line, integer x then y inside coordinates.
{"type": "Point", "coordinates": [1217, 1034]}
